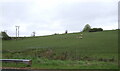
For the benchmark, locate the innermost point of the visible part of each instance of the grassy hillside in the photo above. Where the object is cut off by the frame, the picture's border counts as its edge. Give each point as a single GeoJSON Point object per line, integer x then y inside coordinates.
{"type": "Point", "coordinates": [100, 49]}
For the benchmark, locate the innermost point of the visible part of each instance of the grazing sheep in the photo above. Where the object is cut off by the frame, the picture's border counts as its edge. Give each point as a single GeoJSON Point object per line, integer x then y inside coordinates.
{"type": "Point", "coordinates": [81, 34]}
{"type": "Point", "coordinates": [81, 37]}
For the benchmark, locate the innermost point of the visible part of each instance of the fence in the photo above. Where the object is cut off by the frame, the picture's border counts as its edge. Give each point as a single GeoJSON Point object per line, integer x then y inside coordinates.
{"type": "Point", "coordinates": [25, 61]}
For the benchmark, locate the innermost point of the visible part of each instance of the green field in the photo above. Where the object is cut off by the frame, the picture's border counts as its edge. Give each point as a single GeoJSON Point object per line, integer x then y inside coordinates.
{"type": "Point", "coordinates": [96, 50]}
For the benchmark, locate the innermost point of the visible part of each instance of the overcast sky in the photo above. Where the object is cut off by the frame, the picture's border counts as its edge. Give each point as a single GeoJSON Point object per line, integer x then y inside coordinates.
{"type": "Point", "coordinates": [46, 17]}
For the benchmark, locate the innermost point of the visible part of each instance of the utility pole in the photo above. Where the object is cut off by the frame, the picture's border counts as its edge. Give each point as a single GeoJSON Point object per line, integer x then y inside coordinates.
{"type": "Point", "coordinates": [17, 31]}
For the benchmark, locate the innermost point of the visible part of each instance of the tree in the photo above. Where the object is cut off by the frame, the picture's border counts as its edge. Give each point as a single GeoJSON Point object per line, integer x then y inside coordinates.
{"type": "Point", "coordinates": [87, 28]}
{"type": "Point", "coordinates": [5, 36]}
{"type": "Point", "coordinates": [66, 32]}
{"type": "Point", "coordinates": [33, 34]}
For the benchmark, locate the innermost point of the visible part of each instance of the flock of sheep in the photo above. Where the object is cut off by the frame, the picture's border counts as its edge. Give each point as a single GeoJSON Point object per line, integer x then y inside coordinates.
{"type": "Point", "coordinates": [81, 36]}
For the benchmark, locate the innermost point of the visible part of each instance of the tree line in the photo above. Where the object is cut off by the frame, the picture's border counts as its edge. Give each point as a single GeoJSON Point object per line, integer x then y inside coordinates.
{"type": "Point", "coordinates": [88, 28]}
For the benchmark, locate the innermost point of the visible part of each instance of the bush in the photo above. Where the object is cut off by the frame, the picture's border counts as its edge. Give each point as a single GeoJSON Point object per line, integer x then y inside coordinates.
{"type": "Point", "coordinates": [95, 30]}
{"type": "Point", "coordinates": [5, 36]}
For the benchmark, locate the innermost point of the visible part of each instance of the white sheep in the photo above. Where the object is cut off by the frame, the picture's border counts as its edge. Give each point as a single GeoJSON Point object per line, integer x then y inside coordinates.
{"type": "Point", "coordinates": [81, 34]}
{"type": "Point", "coordinates": [81, 37]}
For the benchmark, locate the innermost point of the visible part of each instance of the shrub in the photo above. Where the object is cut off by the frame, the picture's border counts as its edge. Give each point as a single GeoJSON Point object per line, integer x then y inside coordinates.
{"type": "Point", "coordinates": [5, 36]}
{"type": "Point", "coordinates": [95, 29]}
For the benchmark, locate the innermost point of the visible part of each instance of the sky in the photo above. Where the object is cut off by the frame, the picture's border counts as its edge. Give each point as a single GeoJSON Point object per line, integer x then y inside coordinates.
{"type": "Point", "coordinates": [46, 17]}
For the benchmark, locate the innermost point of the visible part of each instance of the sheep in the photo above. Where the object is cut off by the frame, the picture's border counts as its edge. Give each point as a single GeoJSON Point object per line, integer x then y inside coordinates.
{"type": "Point", "coordinates": [81, 34]}
{"type": "Point", "coordinates": [80, 37]}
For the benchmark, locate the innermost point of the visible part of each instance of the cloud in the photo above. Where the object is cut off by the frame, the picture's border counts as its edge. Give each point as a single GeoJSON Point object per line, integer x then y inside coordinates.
{"type": "Point", "coordinates": [95, 14]}
{"type": "Point", "coordinates": [55, 16]}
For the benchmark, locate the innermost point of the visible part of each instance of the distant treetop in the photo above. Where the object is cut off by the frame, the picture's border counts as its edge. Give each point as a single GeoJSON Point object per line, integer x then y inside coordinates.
{"type": "Point", "coordinates": [86, 28]}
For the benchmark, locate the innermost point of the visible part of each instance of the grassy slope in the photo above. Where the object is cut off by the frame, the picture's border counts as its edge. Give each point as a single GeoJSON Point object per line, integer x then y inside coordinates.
{"type": "Point", "coordinates": [95, 39]}
{"type": "Point", "coordinates": [94, 44]}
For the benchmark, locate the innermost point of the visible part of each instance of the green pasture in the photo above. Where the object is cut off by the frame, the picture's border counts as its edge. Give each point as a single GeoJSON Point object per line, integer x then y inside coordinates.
{"type": "Point", "coordinates": [99, 49]}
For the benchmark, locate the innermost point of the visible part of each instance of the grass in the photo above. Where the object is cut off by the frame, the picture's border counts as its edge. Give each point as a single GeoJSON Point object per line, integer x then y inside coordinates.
{"type": "Point", "coordinates": [68, 64]}
{"type": "Point", "coordinates": [43, 63]}
{"type": "Point", "coordinates": [61, 51]}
